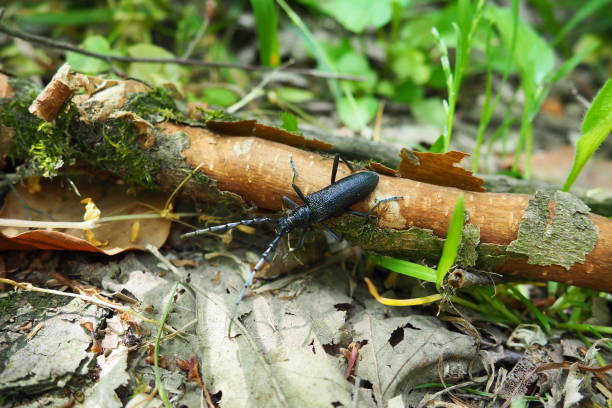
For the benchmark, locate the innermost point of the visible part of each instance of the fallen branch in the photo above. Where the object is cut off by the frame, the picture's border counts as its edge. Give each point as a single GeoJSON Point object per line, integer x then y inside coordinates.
{"type": "Point", "coordinates": [64, 46]}
{"type": "Point", "coordinates": [572, 246]}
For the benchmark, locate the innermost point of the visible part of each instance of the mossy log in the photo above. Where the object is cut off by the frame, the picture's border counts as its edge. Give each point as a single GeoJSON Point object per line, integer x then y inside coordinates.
{"type": "Point", "coordinates": [139, 135]}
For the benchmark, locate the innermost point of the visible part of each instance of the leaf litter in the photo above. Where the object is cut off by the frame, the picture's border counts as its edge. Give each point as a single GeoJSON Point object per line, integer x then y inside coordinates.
{"type": "Point", "coordinates": [59, 202]}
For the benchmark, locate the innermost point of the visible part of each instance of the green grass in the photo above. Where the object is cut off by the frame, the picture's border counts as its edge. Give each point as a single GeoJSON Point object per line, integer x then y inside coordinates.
{"type": "Point", "coordinates": [596, 128]}
{"type": "Point", "coordinates": [469, 15]}
{"type": "Point", "coordinates": [447, 259]}
{"type": "Point", "coordinates": [452, 241]}
{"type": "Point", "coordinates": [266, 22]}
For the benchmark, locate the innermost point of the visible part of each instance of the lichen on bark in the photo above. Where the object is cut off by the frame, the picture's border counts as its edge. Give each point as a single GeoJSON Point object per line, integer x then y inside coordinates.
{"type": "Point", "coordinates": [555, 230]}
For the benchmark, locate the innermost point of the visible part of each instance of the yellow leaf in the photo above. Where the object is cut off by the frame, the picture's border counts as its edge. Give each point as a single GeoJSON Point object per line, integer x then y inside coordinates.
{"type": "Point", "coordinates": [135, 231]}
{"type": "Point", "coordinates": [92, 212]}
{"type": "Point", "coordinates": [400, 302]}
{"type": "Point", "coordinates": [93, 240]}
{"type": "Point", "coordinates": [33, 184]}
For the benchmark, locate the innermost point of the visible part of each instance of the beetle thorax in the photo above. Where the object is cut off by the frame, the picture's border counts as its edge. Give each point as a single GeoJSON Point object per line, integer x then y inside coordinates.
{"type": "Point", "coordinates": [301, 217]}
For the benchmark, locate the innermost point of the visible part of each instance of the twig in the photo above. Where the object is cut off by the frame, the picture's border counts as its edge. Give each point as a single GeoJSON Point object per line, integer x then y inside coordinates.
{"type": "Point", "coordinates": [61, 45]}
{"type": "Point", "coordinates": [87, 298]}
{"type": "Point", "coordinates": [257, 91]}
{"type": "Point", "coordinates": [158, 382]}
{"type": "Point", "coordinates": [91, 224]}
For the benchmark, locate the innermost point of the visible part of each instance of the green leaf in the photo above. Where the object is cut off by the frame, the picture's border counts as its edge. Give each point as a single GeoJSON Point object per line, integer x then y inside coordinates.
{"type": "Point", "coordinates": [290, 122]}
{"type": "Point", "coordinates": [266, 22]}
{"type": "Point", "coordinates": [356, 116]}
{"type": "Point", "coordinates": [186, 30]}
{"type": "Point", "coordinates": [544, 321]}
{"type": "Point", "coordinates": [405, 267]}
{"type": "Point", "coordinates": [352, 62]}
{"type": "Point", "coordinates": [220, 96]}
{"type": "Point", "coordinates": [409, 62]}
{"type": "Point", "coordinates": [452, 241]}
{"type": "Point", "coordinates": [357, 15]}
{"type": "Point", "coordinates": [438, 146]}
{"type": "Point", "coordinates": [584, 11]}
{"type": "Point", "coordinates": [71, 17]}
{"type": "Point", "coordinates": [405, 92]}
{"type": "Point", "coordinates": [533, 54]}
{"type": "Point", "coordinates": [154, 73]}
{"type": "Point", "coordinates": [91, 65]}
{"type": "Point", "coordinates": [596, 127]}
{"type": "Point", "coordinates": [429, 111]}
{"type": "Point", "coordinates": [293, 95]}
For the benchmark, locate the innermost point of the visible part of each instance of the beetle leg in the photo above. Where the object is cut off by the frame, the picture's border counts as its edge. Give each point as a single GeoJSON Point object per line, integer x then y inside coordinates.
{"type": "Point", "coordinates": [300, 244]}
{"type": "Point", "coordinates": [303, 239]}
{"type": "Point", "coordinates": [332, 233]}
{"type": "Point", "coordinates": [368, 214]}
{"type": "Point", "coordinates": [295, 187]}
{"type": "Point", "coordinates": [289, 202]}
{"type": "Point", "coordinates": [337, 159]}
{"type": "Point", "coordinates": [299, 193]}
{"type": "Point", "coordinates": [247, 284]}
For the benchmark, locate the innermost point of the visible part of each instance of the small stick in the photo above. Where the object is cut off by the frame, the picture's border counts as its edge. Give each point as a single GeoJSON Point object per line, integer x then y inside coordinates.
{"type": "Point", "coordinates": [61, 45]}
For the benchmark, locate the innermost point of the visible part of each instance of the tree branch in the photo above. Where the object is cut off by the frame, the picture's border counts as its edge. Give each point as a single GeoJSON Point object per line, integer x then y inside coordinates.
{"type": "Point", "coordinates": [256, 170]}
{"type": "Point", "coordinates": [61, 45]}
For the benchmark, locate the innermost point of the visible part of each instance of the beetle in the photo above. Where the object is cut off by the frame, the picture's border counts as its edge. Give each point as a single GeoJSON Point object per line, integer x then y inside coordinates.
{"type": "Point", "coordinates": [331, 201]}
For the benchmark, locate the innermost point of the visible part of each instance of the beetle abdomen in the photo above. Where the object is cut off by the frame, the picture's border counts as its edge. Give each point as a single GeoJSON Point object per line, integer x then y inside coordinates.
{"type": "Point", "coordinates": [336, 198]}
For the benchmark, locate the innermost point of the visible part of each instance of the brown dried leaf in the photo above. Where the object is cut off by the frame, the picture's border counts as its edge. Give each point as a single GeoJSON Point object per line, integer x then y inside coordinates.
{"type": "Point", "coordinates": [382, 169]}
{"type": "Point", "coordinates": [252, 128]}
{"type": "Point", "coordinates": [438, 169]}
{"type": "Point", "coordinates": [63, 204]}
{"type": "Point", "coordinates": [6, 90]}
{"type": "Point", "coordinates": [236, 128]}
{"type": "Point", "coordinates": [184, 262]}
{"type": "Point", "coordinates": [292, 139]}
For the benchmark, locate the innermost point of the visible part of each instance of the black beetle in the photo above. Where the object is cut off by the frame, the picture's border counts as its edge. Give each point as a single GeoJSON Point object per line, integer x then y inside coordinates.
{"type": "Point", "coordinates": [331, 201]}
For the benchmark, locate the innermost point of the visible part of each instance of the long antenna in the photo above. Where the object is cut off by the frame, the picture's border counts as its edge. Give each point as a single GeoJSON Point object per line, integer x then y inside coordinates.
{"type": "Point", "coordinates": [249, 281]}
{"type": "Point", "coordinates": [230, 225]}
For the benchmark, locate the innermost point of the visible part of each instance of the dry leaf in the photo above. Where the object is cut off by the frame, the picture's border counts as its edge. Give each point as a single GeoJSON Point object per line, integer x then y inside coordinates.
{"type": "Point", "coordinates": [252, 128]}
{"type": "Point", "coordinates": [6, 90]}
{"type": "Point", "coordinates": [438, 169]}
{"type": "Point", "coordinates": [59, 203]}
{"type": "Point", "coordinates": [282, 136]}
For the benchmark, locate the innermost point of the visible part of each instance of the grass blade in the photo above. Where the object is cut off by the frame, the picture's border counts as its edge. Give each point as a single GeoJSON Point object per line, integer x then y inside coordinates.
{"type": "Point", "coordinates": [544, 321]}
{"type": "Point", "coordinates": [405, 267]}
{"type": "Point", "coordinates": [582, 13]}
{"type": "Point", "coordinates": [327, 64]}
{"type": "Point", "coordinates": [400, 302]}
{"type": "Point", "coordinates": [452, 242]}
{"type": "Point", "coordinates": [266, 22]}
{"type": "Point", "coordinates": [596, 127]}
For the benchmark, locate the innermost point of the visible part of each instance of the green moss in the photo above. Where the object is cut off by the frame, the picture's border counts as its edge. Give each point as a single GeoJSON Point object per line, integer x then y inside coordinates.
{"type": "Point", "coordinates": [46, 147]}
{"type": "Point", "coordinates": [413, 243]}
{"type": "Point", "coordinates": [114, 146]}
{"type": "Point", "coordinates": [13, 301]}
{"type": "Point", "coordinates": [417, 244]}
{"type": "Point", "coordinates": [555, 230]}
{"type": "Point", "coordinates": [468, 251]}
{"type": "Point", "coordinates": [217, 114]}
{"type": "Point", "coordinates": [155, 106]}
{"type": "Point", "coordinates": [491, 256]}
{"type": "Point", "coordinates": [7, 305]}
